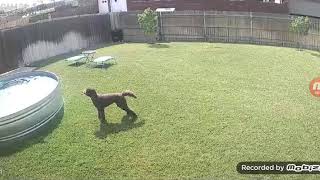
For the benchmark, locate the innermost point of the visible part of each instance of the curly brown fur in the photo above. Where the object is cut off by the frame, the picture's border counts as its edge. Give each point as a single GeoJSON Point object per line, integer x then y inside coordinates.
{"type": "Point", "coordinates": [101, 101]}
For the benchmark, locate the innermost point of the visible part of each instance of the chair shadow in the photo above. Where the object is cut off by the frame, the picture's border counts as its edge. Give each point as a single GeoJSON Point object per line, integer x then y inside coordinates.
{"type": "Point", "coordinates": [32, 139]}
{"type": "Point", "coordinates": [159, 46]}
{"type": "Point", "coordinates": [77, 64]}
{"type": "Point", "coordinates": [105, 66]}
{"type": "Point", "coordinates": [316, 54]}
{"type": "Point", "coordinates": [127, 123]}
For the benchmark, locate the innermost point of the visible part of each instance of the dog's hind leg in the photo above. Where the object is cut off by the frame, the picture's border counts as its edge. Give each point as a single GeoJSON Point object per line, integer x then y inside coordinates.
{"type": "Point", "coordinates": [122, 103]}
{"type": "Point", "coordinates": [101, 116]}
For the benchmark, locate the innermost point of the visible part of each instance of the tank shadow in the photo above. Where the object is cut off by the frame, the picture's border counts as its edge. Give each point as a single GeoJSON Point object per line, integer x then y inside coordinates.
{"type": "Point", "coordinates": [31, 139]}
{"type": "Point", "coordinates": [127, 123]}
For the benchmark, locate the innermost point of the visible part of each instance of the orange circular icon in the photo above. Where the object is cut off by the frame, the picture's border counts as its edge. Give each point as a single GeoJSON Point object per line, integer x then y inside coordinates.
{"type": "Point", "coordinates": [315, 87]}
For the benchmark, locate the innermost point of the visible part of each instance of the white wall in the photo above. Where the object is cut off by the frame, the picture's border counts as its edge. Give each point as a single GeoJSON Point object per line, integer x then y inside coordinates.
{"type": "Point", "coordinates": [103, 6]}
{"type": "Point", "coordinates": [116, 6]}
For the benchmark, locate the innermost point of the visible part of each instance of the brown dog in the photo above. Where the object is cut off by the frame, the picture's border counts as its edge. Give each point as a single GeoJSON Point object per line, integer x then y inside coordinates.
{"type": "Point", "coordinates": [101, 101]}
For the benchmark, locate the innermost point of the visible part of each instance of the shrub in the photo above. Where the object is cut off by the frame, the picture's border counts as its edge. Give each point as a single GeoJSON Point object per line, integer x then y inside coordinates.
{"type": "Point", "coordinates": [301, 26]}
{"type": "Point", "coordinates": [148, 21]}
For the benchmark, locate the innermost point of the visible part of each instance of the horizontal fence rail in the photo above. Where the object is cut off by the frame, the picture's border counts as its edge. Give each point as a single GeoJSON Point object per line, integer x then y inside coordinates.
{"type": "Point", "coordinates": [234, 27]}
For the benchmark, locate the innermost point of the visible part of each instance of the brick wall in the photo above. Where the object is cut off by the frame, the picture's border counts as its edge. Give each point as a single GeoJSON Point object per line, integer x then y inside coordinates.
{"type": "Point", "coordinates": [85, 7]}
{"type": "Point", "coordinates": [71, 11]}
{"type": "Point", "coordinates": [83, 3]}
{"type": "Point", "coordinates": [305, 7]}
{"type": "Point", "coordinates": [214, 5]}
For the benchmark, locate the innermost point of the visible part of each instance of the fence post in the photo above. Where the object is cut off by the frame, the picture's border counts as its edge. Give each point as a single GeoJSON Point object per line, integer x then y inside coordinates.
{"type": "Point", "coordinates": [204, 25]}
{"type": "Point", "coordinates": [228, 29]}
{"type": "Point", "coordinates": [251, 27]}
{"type": "Point", "coordinates": [160, 28]}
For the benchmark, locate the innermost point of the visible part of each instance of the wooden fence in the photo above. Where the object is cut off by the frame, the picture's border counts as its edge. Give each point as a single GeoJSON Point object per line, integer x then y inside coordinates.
{"type": "Point", "coordinates": [35, 42]}
{"type": "Point", "coordinates": [235, 27]}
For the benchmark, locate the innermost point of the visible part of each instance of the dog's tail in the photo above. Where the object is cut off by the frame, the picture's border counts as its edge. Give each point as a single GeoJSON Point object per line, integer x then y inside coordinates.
{"type": "Point", "coordinates": [128, 93]}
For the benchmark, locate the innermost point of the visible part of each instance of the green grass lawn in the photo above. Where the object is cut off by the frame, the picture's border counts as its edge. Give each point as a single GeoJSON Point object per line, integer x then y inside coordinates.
{"type": "Point", "coordinates": [202, 108]}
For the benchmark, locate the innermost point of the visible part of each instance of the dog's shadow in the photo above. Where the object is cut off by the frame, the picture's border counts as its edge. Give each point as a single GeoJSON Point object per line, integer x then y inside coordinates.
{"type": "Point", "coordinates": [127, 123]}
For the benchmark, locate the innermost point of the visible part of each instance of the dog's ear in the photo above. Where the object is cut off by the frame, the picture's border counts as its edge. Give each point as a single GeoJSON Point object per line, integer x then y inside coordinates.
{"type": "Point", "coordinates": [86, 91]}
{"type": "Point", "coordinates": [91, 92]}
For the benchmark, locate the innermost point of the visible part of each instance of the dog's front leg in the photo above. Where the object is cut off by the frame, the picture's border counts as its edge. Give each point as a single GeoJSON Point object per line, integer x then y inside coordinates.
{"type": "Point", "coordinates": [101, 116]}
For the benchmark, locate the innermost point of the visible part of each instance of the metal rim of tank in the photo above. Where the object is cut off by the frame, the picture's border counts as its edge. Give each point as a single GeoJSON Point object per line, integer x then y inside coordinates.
{"type": "Point", "coordinates": [36, 107]}
{"type": "Point", "coordinates": [29, 109]}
